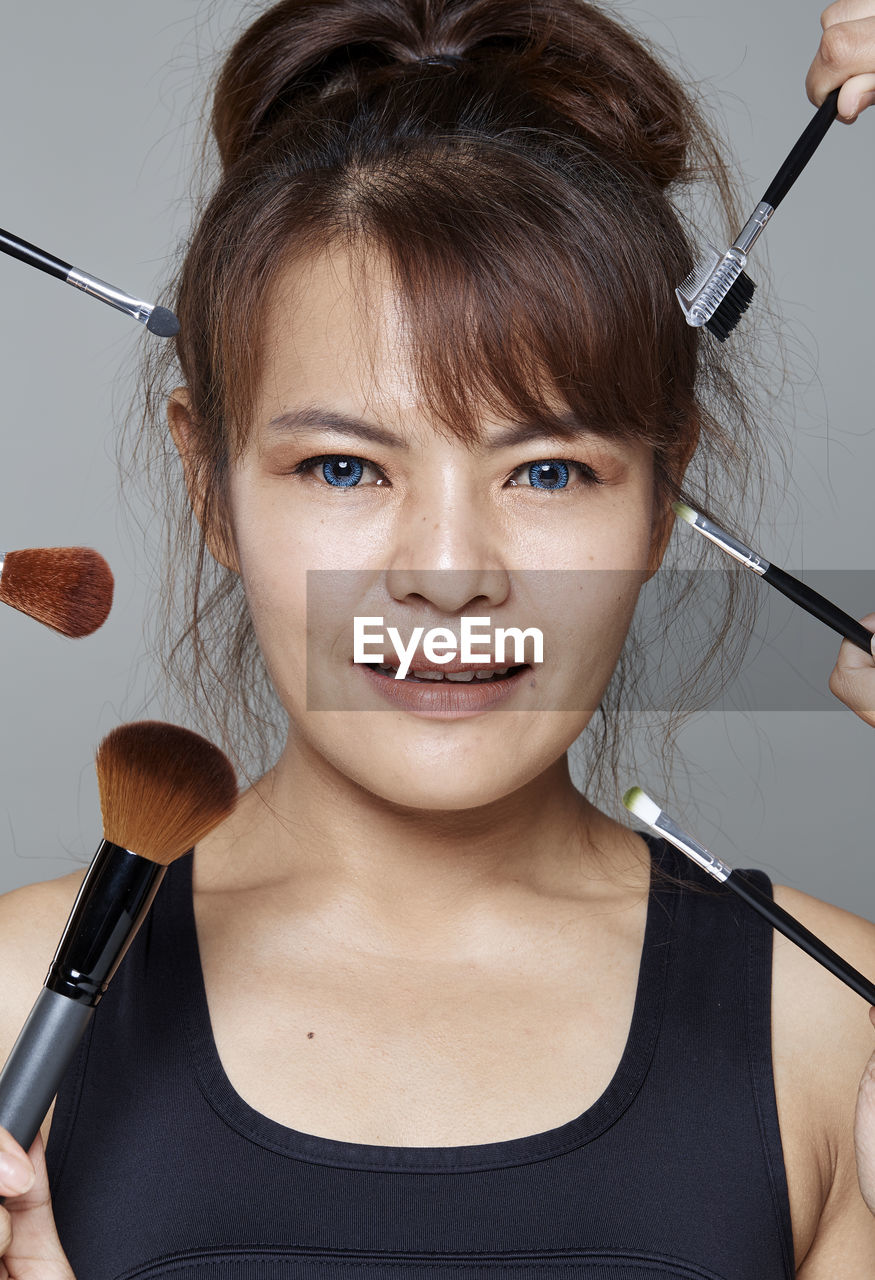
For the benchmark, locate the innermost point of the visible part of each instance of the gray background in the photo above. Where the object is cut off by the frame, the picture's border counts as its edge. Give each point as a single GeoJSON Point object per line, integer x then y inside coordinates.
{"type": "Point", "coordinates": [101, 104]}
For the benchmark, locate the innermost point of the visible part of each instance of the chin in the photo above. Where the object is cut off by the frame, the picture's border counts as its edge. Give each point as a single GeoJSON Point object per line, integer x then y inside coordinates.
{"type": "Point", "coordinates": [447, 777]}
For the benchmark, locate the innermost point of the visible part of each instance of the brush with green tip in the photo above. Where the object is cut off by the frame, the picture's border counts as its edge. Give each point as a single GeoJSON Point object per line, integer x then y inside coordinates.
{"type": "Point", "coordinates": [641, 805]}
{"type": "Point", "coordinates": [812, 601]}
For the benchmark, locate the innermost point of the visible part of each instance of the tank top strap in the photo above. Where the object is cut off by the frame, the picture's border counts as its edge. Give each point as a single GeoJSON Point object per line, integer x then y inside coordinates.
{"type": "Point", "coordinates": [719, 994]}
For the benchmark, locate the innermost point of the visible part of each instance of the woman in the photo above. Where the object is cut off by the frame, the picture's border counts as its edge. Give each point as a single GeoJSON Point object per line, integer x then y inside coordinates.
{"type": "Point", "coordinates": [422, 948]}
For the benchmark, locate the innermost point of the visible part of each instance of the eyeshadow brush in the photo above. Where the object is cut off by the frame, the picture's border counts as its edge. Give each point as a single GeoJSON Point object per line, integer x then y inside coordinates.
{"type": "Point", "coordinates": [639, 803]}
{"type": "Point", "coordinates": [158, 320]}
{"type": "Point", "coordinates": [812, 601]}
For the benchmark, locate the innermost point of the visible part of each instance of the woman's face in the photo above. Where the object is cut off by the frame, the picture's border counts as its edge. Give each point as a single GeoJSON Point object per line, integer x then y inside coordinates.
{"type": "Point", "coordinates": [411, 526]}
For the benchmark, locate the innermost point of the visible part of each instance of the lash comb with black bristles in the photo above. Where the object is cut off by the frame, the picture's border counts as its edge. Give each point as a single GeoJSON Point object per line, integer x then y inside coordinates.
{"type": "Point", "coordinates": [717, 292]}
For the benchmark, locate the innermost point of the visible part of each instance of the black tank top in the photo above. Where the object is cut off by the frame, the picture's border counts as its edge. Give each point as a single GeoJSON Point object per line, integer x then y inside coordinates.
{"type": "Point", "coordinates": [159, 1168]}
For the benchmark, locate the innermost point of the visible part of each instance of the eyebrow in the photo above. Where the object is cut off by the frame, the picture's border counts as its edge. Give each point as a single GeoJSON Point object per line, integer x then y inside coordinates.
{"type": "Point", "coordinates": [311, 416]}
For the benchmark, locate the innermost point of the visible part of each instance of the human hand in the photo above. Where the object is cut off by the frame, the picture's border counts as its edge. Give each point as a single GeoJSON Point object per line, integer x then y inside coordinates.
{"type": "Point", "coordinates": [864, 1130]}
{"type": "Point", "coordinates": [29, 1244]}
{"type": "Point", "coordinates": [852, 679]}
{"type": "Point", "coordinates": [846, 57]}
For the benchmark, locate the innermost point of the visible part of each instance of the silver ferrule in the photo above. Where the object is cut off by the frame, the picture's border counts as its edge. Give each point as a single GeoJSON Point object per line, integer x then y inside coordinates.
{"type": "Point", "coordinates": [754, 227]}
{"type": "Point", "coordinates": [108, 293]}
{"type": "Point", "coordinates": [730, 545]}
{"type": "Point", "coordinates": [691, 847]}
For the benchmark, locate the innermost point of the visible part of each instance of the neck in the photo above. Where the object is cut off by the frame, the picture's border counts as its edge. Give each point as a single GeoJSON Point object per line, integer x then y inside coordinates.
{"type": "Point", "coordinates": [396, 870]}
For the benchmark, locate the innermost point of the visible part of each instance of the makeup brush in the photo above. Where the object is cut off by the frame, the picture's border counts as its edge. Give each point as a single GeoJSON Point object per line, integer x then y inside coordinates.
{"type": "Point", "coordinates": [67, 588]}
{"type": "Point", "coordinates": [812, 601]}
{"type": "Point", "coordinates": [717, 292]}
{"type": "Point", "coordinates": [162, 789]}
{"type": "Point", "coordinates": [158, 320]}
{"type": "Point", "coordinates": [639, 803]}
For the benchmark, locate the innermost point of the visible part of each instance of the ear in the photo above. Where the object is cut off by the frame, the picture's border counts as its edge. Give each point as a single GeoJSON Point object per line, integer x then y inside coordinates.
{"type": "Point", "coordinates": [217, 531]}
{"type": "Point", "coordinates": [663, 516]}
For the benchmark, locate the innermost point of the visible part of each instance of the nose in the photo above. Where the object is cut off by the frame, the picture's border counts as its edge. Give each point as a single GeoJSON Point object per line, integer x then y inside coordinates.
{"type": "Point", "coordinates": [448, 552]}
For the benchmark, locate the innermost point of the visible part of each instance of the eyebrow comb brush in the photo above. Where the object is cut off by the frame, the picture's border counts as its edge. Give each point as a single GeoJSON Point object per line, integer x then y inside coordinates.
{"type": "Point", "coordinates": [639, 803]}
{"type": "Point", "coordinates": [162, 788]}
{"type": "Point", "coordinates": [717, 292]}
{"type": "Point", "coordinates": [66, 588]}
{"type": "Point", "coordinates": [812, 601]}
{"type": "Point", "coordinates": [158, 320]}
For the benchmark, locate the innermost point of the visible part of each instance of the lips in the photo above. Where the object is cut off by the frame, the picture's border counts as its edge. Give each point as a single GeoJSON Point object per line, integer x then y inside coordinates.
{"type": "Point", "coordinates": [444, 699]}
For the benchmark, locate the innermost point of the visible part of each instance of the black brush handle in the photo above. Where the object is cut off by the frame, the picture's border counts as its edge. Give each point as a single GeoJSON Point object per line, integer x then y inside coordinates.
{"type": "Point", "coordinates": [39, 1058]}
{"type": "Point", "coordinates": [804, 938]}
{"type": "Point", "coordinates": [33, 256]}
{"type": "Point", "coordinates": [804, 150]}
{"type": "Point", "coordinates": [813, 602]}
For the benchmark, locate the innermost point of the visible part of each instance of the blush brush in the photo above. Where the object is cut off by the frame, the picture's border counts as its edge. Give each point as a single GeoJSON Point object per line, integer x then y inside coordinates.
{"type": "Point", "coordinates": [158, 320]}
{"type": "Point", "coordinates": [717, 292]}
{"type": "Point", "coordinates": [162, 788]}
{"type": "Point", "coordinates": [66, 588]}
{"type": "Point", "coordinates": [649, 812]}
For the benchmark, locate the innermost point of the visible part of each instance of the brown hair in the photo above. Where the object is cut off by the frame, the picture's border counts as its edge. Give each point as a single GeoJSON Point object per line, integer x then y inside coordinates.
{"type": "Point", "coordinates": [528, 194]}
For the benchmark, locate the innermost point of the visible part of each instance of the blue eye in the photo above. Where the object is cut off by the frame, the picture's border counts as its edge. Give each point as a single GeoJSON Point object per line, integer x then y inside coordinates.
{"type": "Point", "coordinates": [548, 475]}
{"type": "Point", "coordinates": [341, 470]}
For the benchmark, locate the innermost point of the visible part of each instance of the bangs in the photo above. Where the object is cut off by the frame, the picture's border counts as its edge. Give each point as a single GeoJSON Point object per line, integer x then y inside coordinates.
{"type": "Point", "coordinates": [539, 297]}
{"type": "Point", "coordinates": [534, 294]}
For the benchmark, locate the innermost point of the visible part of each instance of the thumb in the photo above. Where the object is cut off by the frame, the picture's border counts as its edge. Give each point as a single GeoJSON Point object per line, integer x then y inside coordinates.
{"type": "Point", "coordinates": [33, 1250]}
{"type": "Point", "coordinates": [864, 1129]}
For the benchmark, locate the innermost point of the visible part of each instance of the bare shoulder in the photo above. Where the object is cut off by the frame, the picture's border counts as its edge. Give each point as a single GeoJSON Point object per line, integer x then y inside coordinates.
{"type": "Point", "coordinates": [822, 1040]}
{"type": "Point", "coordinates": [31, 922]}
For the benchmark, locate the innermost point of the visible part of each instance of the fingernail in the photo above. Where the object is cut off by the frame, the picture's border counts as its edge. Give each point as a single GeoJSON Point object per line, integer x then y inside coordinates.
{"type": "Point", "coordinates": [865, 100]}
{"type": "Point", "coordinates": [16, 1175]}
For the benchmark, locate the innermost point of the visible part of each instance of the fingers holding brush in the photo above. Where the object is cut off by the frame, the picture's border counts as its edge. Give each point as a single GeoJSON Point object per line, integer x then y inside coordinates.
{"type": "Point", "coordinates": [846, 57]}
{"type": "Point", "coordinates": [29, 1244]}
{"type": "Point", "coordinates": [852, 679]}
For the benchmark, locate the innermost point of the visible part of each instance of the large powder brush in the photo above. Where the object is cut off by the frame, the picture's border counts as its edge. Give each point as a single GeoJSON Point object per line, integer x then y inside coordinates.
{"type": "Point", "coordinates": [66, 588]}
{"type": "Point", "coordinates": [162, 789]}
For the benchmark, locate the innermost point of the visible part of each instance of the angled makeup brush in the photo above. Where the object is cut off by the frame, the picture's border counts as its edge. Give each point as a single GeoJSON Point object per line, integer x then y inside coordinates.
{"type": "Point", "coordinates": [67, 588]}
{"type": "Point", "coordinates": [162, 789]}
{"type": "Point", "coordinates": [639, 803]}
{"type": "Point", "coordinates": [717, 292]}
{"type": "Point", "coordinates": [812, 601]}
{"type": "Point", "coordinates": [158, 320]}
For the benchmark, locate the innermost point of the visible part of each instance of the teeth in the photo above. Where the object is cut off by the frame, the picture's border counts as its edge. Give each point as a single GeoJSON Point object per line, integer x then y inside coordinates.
{"type": "Point", "coordinates": [456, 676]}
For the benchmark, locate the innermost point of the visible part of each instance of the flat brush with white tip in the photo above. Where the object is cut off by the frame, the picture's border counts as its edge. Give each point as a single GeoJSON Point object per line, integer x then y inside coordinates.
{"type": "Point", "coordinates": [717, 292]}
{"type": "Point", "coordinates": [162, 789]}
{"type": "Point", "coordinates": [66, 588]}
{"type": "Point", "coordinates": [812, 601]}
{"type": "Point", "coordinates": [158, 320]}
{"type": "Point", "coordinates": [639, 803]}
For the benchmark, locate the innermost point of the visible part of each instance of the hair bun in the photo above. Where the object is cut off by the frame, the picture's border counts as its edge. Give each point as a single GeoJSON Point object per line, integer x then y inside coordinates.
{"type": "Point", "coordinates": [577, 61]}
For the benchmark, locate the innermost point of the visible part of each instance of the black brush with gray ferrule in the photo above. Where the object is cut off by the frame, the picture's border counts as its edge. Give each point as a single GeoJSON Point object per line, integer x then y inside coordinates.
{"type": "Point", "coordinates": [158, 320]}
{"type": "Point", "coordinates": [162, 789]}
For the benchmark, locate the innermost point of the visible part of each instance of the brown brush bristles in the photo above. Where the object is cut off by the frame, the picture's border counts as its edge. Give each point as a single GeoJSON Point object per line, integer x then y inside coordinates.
{"type": "Point", "coordinates": [67, 588]}
{"type": "Point", "coordinates": [162, 788]}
